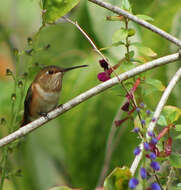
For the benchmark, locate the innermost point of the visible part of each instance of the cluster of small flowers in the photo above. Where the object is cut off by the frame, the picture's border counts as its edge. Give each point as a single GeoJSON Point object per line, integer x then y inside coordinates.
{"type": "Point", "coordinates": [151, 154]}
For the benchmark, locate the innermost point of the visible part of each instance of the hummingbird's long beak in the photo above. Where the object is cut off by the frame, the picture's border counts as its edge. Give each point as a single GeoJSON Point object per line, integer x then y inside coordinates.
{"type": "Point", "coordinates": [75, 67]}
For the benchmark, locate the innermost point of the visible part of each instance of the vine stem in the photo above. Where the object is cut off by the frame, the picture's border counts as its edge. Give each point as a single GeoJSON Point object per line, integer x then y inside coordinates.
{"type": "Point", "coordinates": [156, 116]}
{"type": "Point", "coordinates": [145, 24]}
{"type": "Point", "coordinates": [133, 102]}
{"type": "Point", "coordinates": [86, 95]}
{"type": "Point", "coordinates": [86, 36]}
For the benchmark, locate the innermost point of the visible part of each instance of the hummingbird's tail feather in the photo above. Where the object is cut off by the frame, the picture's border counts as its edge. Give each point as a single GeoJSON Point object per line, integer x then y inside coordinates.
{"type": "Point", "coordinates": [24, 121]}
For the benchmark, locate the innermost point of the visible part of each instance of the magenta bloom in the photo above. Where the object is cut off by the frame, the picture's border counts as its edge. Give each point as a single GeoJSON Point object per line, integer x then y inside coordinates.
{"type": "Point", "coordinates": [104, 64]}
{"type": "Point", "coordinates": [125, 107]}
{"type": "Point", "coordinates": [103, 76]}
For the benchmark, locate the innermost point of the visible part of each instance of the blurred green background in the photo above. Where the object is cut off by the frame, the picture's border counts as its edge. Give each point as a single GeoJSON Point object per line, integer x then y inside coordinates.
{"type": "Point", "coordinates": [70, 149]}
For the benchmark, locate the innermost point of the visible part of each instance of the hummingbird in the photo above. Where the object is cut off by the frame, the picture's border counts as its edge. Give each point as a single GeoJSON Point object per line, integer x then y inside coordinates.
{"type": "Point", "coordinates": [44, 92]}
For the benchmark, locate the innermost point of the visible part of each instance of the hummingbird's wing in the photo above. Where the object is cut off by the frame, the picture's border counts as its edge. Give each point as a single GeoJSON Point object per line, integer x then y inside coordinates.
{"type": "Point", "coordinates": [27, 102]}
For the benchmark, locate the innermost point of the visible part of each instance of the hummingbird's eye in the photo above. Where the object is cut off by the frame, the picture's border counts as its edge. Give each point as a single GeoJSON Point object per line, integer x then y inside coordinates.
{"type": "Point", "coordinates": [50, 72]}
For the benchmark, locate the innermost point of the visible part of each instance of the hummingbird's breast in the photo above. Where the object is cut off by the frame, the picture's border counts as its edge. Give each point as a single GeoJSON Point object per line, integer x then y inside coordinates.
{"type": "Point", "coordinates": [43, 101]}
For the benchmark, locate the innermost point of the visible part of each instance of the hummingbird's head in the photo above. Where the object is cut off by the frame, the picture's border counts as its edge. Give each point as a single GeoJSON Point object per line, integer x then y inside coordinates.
{"type": "Point", "coordinates": [50, 77]}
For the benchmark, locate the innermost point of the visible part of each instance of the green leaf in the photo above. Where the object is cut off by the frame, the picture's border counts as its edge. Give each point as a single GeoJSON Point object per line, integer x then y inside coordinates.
{"type": "Point", "coordinates": [178, 127]}
{"type": "Point", "coordinates": [119, 35]}
{"type": "Point", "coordinates": [144, 50]}
{"type": "Point", "coordinates": [175, 160]}
{"type": "Point", "coordinates": [131, 32]}
{"type": "Point", "coordinates": [145, 17]}
{"type": "Point", "coordinates": [54, 9]}
{"type": "Point", "coordinates": [126, 5]}
{"type": "Point", "coordinates": [61, 188]}
{"type": "Point", "coordinates": [118, 179]}
{"type": "Point", "coordinates": [117, 44]}
{"type": "Point", "coordinates": [157, 84]}
{"type": "Point", "coordinates": [171, 113]}
{"type": "Point", "coordinates": [162, 121]}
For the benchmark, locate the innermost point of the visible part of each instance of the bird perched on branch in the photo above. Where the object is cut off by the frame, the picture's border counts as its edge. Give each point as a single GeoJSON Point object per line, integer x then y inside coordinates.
{"type": "Point", "coordinates": [44, 92]}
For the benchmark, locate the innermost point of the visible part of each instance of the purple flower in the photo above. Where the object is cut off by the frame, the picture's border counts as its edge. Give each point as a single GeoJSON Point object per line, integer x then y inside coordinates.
{"type": "Point", "coordinates": [151, 134]}
{"type": "Point", "coordinates": [136, 151]}
{"type": "Point", "coordinates": [142, 105]}
{"type": "Point", "coordinates": [136, 129]}
{"type": "Point", "coordinates": [143, 173]}
{"type": "Point", "coordinates": [155, 165]}
{"type": "Point", "coordinates": [152, 156]}
{"type": "Point", "coordinates": [137, 109]}
{"type": "Point", "coordinates": [148, 112]}
{"type": "Point", "coordinates": [146, 146]}
{"type": "Point", "coordinates": [154, 141]}
{"type": "Point", "coordinates": [133, 182]}
{"type": "Point", "coordinates": [155, 186]}
{"type": "Point", "coordinates": [143, 122]}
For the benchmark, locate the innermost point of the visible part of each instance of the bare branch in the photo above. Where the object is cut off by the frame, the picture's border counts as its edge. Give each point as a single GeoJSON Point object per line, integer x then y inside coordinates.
{"type": "Point", "coordinates": [156, 115]}
{"type": "Point", "coordinates": [86, 36]}
{"type": "Point", "coordinates": [126, 14]}
{"type": "Point", "coordinates": [86, 95]}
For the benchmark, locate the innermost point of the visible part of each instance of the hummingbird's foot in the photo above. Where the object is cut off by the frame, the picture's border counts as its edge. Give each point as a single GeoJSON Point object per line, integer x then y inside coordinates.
{"type": "Point", "coordinates": [60, 106]}
{"type": "Point", "coordinates": [44, 114]}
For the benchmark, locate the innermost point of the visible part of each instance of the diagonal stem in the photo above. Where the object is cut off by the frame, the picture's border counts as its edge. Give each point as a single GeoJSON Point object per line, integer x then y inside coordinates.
{"type": "Point", "coordinates": [145, 24]}
{"type": "Point", "coordinates": [156, 115]}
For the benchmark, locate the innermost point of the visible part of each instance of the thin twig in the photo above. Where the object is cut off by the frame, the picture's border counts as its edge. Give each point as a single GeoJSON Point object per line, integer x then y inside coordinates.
{"type": "Point", "coordinates": [128, 15]}
{"type": "Point", "coordinates": [156, 115]}
{"type": "Point", "coordinates": [170, 178]}
{"type": "Point", "coordinates": [86, 95]}
{"type": "Point", "coordinates": [157, 179]}
{"type": "Point", "coordinates": [86, 36]}
{"type": "Point", "coordinates": [133, 102]}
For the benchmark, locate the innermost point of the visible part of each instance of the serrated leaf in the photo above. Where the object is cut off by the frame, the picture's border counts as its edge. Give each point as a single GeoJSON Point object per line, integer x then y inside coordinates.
{"type": "Point", "coordinates": [172, 113]}
{"type": "Point", "coordinates": [162, 121]}
{"type": "Point", "coordinates": [118, 179]}
{"type": "Point", "coordinates": [119, 35]}
{"type": "Point", "coordinates": [178, 127]}
{"type": "Point", "coordinates": [54, 9]}
{"type": "Point", "coordinates": [175, 160]}
{"type": "Point", "coordinates": [145, 17]}
{"type": "Point", "coordinates": [144, 50]}
{"type": "Point", "coordinates": [157, 84]}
